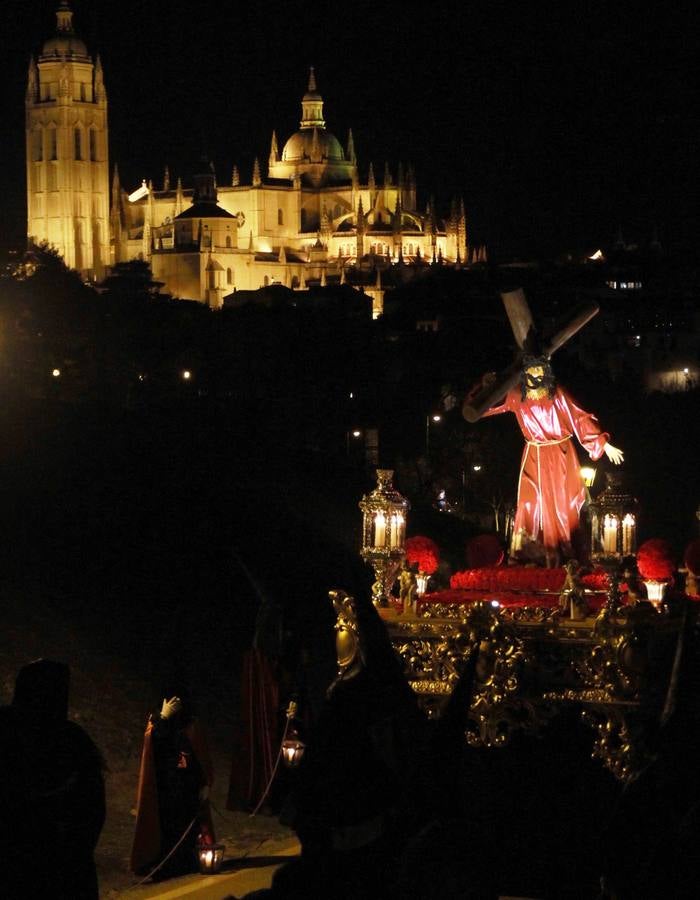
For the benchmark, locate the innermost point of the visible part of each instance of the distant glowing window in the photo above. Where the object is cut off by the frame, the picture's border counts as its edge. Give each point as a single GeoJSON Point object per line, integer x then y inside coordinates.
{"type": "Point", "coordinates": [77, 143]}
{"type": "Point", "coordinates": [229, 276]}
{"type": "Point", "coordinates": [53, 144]}
{"type": "Point", "coordinates": [93, 145]}
{"type": "Point", "coordinates": [280, 217]}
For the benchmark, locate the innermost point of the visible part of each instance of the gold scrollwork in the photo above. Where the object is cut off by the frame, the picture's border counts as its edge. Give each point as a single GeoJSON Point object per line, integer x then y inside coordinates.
{"type": "Point", "coordinates": [615, 744]}
{"type": "Point", "coordinates": [348, 643]}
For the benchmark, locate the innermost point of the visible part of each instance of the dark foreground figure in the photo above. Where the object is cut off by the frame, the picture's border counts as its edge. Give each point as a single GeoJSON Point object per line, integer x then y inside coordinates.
{"type": "Point", "coordinates": [52, 803]}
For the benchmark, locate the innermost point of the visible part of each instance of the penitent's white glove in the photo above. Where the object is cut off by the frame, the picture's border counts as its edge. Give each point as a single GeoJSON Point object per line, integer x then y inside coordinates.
{"type": "Point", "coordinates": [170, 707]}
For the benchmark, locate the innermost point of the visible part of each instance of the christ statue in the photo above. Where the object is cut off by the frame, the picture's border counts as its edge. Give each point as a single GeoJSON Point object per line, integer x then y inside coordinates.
{"type": "Point", "coordinates": [550, 487]}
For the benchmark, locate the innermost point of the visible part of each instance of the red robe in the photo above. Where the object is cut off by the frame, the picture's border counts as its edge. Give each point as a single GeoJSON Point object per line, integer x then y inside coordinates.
{"type": "Point", "coordinates": [550, 488]}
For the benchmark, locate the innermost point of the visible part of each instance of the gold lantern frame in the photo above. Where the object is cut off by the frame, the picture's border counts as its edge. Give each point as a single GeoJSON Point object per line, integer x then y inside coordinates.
{"type": "Point", "coordinates": [614, 514]}
{"type": "Point", "coordinates": [384, 515]}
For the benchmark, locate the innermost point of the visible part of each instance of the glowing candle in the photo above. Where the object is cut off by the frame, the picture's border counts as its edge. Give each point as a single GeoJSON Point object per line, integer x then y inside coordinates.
{"type": "Point", "coordinates": [379, 529]}
{"type": "Point", "coordinates": [610, 534]}
{"type": "Point", "coordinates": [628, 524]}
{"type": "Point", "coordinates": [401, 530]}
{"type": "Point", "coordinates": [394, 534]}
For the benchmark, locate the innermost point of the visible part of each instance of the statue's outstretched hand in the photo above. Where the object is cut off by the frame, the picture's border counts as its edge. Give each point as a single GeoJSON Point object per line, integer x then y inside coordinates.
{"type": "Point", "coordinates": [614, 454]}
{"type": "Point", "coordinates": [170, 707]}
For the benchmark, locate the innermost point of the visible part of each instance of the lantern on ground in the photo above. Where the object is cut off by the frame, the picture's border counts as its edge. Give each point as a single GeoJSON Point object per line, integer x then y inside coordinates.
{"type": "Point", "coordinates": [210, 856]}
{"type": "Point", "coordinates": [384, 513]}
{"type": "Point", "coordinates": [292, 746]}
{"type": "Point", "coordinates": [613, 520]}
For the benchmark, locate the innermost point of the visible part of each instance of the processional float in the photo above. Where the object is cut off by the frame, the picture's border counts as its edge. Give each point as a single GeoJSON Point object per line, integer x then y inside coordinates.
{"type": "Point", "coordinates": [599, 647]}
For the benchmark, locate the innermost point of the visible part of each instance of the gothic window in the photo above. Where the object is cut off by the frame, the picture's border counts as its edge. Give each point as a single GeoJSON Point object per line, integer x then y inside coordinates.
{"type": "Point", "coordinates": [266, 281]}
{"type": "Point", "coordinates": [212, 280]}
{"type": "Point", "coordinates": [229, 276]}
{"type": "Point", "coordinates": [53, 144]}
{"type": "Point", "coordinates": [228, 244]}
{"type": "Point", "coordinates": [304, 218]}
{"type": "Point", "coordinates": [38, 150]}
{"type": "Point", "coordinates": [295, 282]}
{"type": "Point", "coordinates": [280, 217]}
{"type": "Point", "coordinates": [337, 212]}
{"type": "Point", "coordinates": [93, 145]}
{"type": "Point", "coordinates": [410, 249]}
{"type": "Point", "coordinates": [77, 143]}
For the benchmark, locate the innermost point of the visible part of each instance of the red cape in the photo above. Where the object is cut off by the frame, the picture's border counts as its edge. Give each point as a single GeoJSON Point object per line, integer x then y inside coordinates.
{"type": "Point", "coordinates": [146, 848]}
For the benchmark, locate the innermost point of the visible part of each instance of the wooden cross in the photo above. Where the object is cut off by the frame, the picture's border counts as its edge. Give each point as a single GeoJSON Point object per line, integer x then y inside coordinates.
{"type": "Point", "coordinates": [526, 338]}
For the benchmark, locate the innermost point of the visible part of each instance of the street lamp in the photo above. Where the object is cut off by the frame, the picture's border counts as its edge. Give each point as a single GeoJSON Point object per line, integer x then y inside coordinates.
{"type": "Point", "coordinates": [434, 417]}
{"type": "Point", "coordinates": [355, 434]}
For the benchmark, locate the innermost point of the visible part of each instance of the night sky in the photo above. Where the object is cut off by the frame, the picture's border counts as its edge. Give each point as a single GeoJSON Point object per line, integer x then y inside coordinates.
{"type": "Point", "coordinates": [556, 122]}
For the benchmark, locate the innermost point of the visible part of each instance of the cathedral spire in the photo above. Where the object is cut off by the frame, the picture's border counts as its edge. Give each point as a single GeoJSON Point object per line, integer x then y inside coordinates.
{"type": "Point", "coordinates": [166, 178]}
{"type": "Point", "coordinates": [235, 177]}
{"type": "Point", "coordinates": [116, 186]}
{"type": "Point", "coordinates": [274, 150]}
{"type": "Point", "coordinates": [312, 105]}
{"type": "Point", "coordinates": [32, 81]}
{"type": "Point", "coordinates": [257, 180]}
{"type": "Point", "coordinates": [387, 175]}
{"type": "Point", "coordinates": [351, 148]}
{"type": "Point", "coordinates": [370, 182]}
{"type": "Point", "coordinates": [179, 197]}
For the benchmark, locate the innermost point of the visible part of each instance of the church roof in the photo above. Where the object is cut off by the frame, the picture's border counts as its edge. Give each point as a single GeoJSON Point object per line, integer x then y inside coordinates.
{"type": "Point", "coordinates": [314, 144]}
{"type": "Point", "coordinates": [205, 210]}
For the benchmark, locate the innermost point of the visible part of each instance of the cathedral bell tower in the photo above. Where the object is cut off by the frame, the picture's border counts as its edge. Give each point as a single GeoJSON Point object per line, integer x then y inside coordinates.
{"type": "Point", "coordinates": [66, 140]}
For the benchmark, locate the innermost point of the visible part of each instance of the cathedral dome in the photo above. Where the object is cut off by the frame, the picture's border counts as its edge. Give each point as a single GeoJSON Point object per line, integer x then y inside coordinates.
{"type": "Point", "coordinates": [314, 144]}
{"type": "Point", "coordinates": [65, 42]}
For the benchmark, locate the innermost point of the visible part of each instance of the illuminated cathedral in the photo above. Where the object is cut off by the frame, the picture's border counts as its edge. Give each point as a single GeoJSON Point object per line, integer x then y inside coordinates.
{"type": "Point", "coordinates": [311, 219]}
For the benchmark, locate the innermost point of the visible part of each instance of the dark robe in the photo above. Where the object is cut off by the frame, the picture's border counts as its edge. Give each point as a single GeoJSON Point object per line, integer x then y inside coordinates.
{"type": "Point", "coordinates": [175, 766]}
{"type": "Point", "coordinates": [52, 800]}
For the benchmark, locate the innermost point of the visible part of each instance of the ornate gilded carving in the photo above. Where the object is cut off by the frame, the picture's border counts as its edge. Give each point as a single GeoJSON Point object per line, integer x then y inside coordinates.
{"type": "Point", "coordinates": [617, 743]}
{"type": "Point", "coordinates": [534, 660]}
{"type": "Point", "coordinates": [348, 640]}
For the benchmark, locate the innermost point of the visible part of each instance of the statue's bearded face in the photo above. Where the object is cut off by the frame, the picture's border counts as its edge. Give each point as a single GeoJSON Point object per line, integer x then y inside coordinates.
{"type": "Point", "coordinates": [534, 378]}
{"type": "Point", "coordinates": [537, 381]}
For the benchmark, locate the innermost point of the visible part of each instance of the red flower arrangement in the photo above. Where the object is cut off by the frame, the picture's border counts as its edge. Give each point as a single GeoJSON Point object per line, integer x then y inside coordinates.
{"type": "Point", "coordinates": [521, 578]}
{"type": "Point", "coordinates": [424, 552]}
{"type": "Point", "coordinates": [655, 560]}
